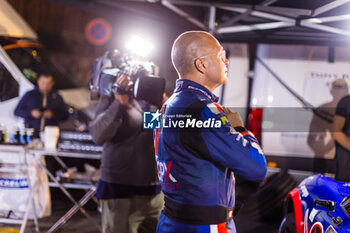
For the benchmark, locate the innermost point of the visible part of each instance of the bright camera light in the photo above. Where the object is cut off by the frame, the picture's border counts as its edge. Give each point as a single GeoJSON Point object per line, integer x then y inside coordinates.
{"type": "Point", "coordinates": [139, 46]}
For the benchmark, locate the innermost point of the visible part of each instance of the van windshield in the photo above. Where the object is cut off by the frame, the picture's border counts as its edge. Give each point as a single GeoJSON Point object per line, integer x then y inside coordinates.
{"type": "Point", "coordinates": [31, 59]}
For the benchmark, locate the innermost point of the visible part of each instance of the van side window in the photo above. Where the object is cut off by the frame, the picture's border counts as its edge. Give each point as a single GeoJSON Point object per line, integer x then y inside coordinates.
{"type": "Point", "coordinates": [8, 85]}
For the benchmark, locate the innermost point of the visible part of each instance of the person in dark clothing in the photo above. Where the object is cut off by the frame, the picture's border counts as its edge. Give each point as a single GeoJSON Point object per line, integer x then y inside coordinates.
{"type": "Point", "coordinates": [320, 131]}
{"type": "Point", "coordinates": [128, 188]}
{"type": "Point", "coordinates": [42, 106]}
{"type": "Point", "coordinates": [341, 133]}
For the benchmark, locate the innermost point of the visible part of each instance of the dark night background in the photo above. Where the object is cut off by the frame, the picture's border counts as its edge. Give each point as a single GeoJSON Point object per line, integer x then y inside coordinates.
{"type": "Point", "coordinates": [60, 29]}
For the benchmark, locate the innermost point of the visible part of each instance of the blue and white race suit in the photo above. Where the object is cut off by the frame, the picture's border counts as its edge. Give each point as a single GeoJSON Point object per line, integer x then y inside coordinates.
{"type": "Point", "coordinates": [198, 152]}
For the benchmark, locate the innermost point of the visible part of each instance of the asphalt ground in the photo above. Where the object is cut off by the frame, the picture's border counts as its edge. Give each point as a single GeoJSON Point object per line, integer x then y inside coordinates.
{"type": "Point", "coordinates": [79, 223]}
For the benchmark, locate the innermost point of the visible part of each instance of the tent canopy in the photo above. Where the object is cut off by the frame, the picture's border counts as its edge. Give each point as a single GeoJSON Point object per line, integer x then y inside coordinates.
{"type": "Point", "coordinates": [311, 21]}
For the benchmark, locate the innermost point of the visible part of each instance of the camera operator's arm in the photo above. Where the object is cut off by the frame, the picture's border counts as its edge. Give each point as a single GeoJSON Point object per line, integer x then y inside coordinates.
{"type": "Point", "coordinates": [109, 115]}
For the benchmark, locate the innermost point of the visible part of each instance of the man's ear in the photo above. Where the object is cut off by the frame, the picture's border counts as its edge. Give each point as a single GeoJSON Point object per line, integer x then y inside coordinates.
{"type": "Point", "coordinates": [200, 65]}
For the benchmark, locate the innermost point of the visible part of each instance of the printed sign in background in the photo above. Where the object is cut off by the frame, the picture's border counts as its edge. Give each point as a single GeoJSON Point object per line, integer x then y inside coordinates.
{"type": "Point", "coordinates": [98, 31]}
{"type": "Point", "coordinates": [305, 70]}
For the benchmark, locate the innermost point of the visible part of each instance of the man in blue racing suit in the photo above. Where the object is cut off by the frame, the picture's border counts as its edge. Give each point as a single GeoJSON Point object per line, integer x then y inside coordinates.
{"type": "Point", "coordinates": [201, 145]}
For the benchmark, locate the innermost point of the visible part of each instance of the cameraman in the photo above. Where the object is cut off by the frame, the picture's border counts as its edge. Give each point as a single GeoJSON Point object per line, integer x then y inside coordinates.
{"type": "Point", "coordinates": [128, 188]}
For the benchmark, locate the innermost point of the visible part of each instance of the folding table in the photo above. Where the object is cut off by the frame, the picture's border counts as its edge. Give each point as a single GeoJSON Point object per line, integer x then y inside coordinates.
{"type": "Point", "coordinates": [90, 188]}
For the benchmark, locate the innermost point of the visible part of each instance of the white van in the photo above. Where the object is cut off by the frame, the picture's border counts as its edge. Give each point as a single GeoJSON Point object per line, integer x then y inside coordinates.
{"type": "Point", "coordinates": [295, 91]}
{"type": "Point", "coordinates": [21, 59]}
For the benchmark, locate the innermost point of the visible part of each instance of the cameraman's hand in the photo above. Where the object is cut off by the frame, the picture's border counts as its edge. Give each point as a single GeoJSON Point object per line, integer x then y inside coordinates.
{"type": "Point", "coordinates": [234, 118]}
{"type": "Point", "coordinates": [123, 81]}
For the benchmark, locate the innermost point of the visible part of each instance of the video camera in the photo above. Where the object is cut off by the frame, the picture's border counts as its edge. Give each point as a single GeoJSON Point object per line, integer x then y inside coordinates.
{"type": "Point", "coordinates": [146, 84]}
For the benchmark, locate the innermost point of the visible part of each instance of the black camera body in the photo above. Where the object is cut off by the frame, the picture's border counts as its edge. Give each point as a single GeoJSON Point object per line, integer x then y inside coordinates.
{"type": "Point", "coordinates": [146, 85]}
